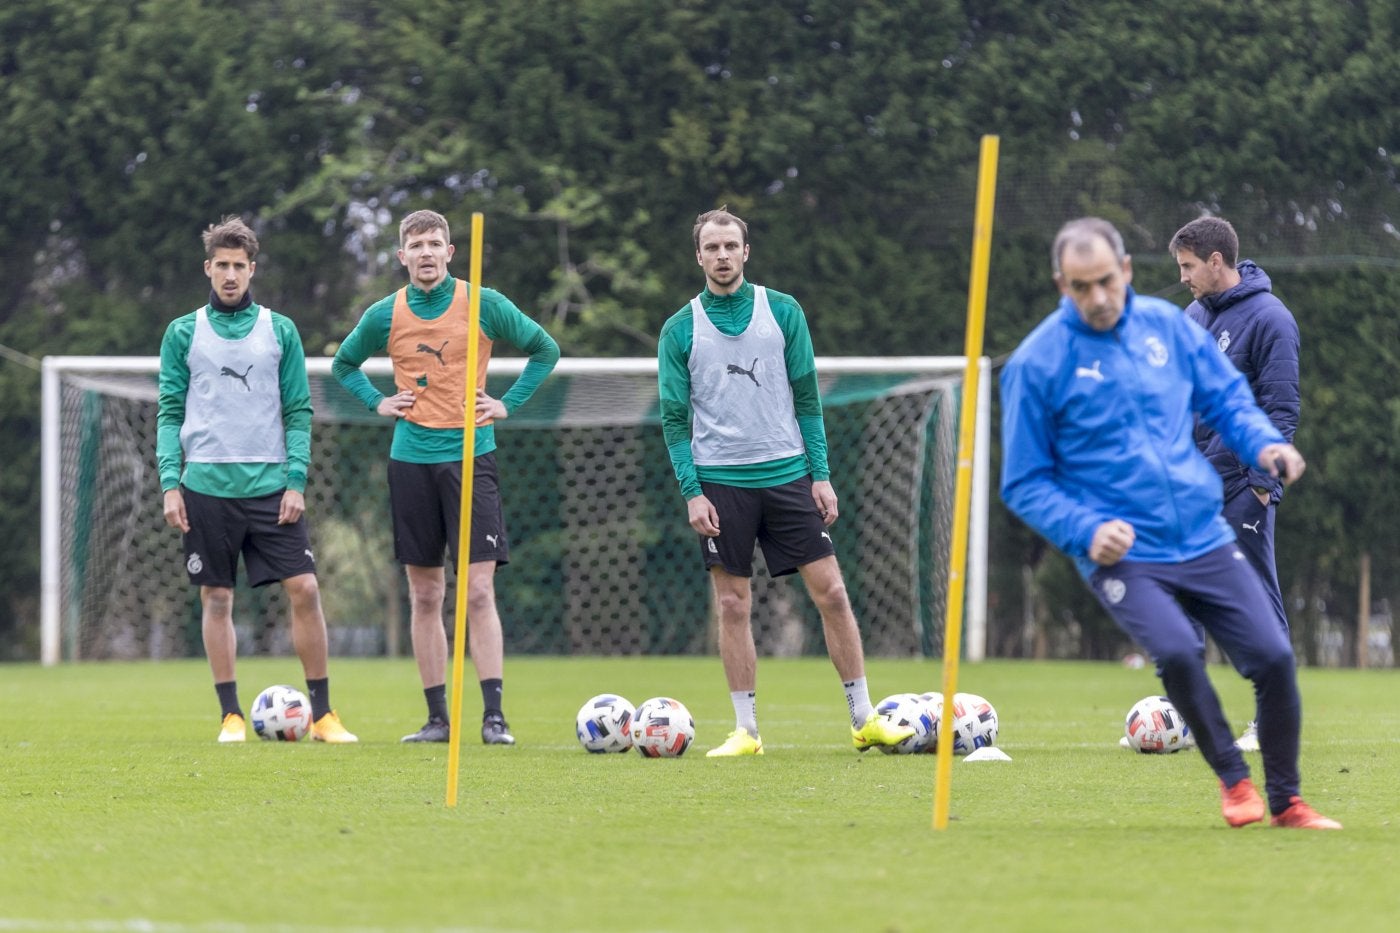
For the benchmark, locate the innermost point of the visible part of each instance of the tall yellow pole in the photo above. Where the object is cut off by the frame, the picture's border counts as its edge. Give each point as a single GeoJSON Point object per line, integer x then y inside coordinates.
{"type": "Point", "coordinates": [464, 527]}
{"type": "Point", "coordinates": [976, 316]}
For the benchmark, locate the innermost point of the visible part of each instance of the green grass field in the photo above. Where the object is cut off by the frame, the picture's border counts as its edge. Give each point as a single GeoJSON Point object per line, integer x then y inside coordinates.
{"type": "Point", "coordinates": [118, 811]}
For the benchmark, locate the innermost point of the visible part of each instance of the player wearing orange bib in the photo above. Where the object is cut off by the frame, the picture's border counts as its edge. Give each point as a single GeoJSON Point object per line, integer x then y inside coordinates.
{"type": "Point", "coordinates": [423, 327]}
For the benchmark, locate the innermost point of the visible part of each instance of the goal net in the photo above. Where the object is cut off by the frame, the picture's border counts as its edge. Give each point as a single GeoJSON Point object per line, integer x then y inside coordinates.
{"type": "Point", "coordinates": [602, 559]}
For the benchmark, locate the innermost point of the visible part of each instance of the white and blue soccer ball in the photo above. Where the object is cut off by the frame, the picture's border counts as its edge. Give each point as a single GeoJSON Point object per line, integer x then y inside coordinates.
{"type": "Point", "coordinates": [281, 713]}
{"type": "Point", "coordinates": [910, 711]}
{"type": "Point", "coordinates": [604, 724]}
{"type": "Point", "coordinates": [975, 723]}
{"type": "Point", "coordinates": [933, 701]}
{"type": "Point", "coordinates": [662, 728]}
{"type": "Point", "coordinates": [1154, 727]}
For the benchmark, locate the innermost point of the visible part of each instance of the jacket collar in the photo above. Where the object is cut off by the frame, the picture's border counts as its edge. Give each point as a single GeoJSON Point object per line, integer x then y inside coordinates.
{"type": "Point", "coordinates": [744, 293]}
{"type": "Point", "coordinates": [445, 287]}
{"type": "Point", "coordinates": [1253, 280]}
{"type": "Point", "coordinates": [243, 304]}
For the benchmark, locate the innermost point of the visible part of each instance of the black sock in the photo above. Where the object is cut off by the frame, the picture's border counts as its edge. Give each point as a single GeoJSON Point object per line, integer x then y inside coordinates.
{"type": "Point", "coordinates": [437, 702]}
{"type": "Point", "coordinates": [319, 691]}
{"type": "Point", "coordinates": [491, 690]}
{"type": "Point", "coordinates": [228, 698]}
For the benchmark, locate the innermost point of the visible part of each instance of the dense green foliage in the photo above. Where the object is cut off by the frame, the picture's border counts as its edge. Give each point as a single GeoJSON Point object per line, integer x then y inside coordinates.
{"type": "Point", "coordinates": [124, 814]}
{"type": "Point", "coordinates": [591, 133]}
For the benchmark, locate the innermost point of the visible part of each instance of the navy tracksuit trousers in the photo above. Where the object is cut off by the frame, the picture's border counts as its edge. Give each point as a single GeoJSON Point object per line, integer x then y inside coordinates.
{"type": "Point", "coordinates": [1253, 523]}
{"type": "Point", "coordinates": [1155, 604]}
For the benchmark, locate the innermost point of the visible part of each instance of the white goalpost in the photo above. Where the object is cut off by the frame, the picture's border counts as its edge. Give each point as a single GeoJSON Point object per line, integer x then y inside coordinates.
{"type": "Point", "coordinates": [602, 560]}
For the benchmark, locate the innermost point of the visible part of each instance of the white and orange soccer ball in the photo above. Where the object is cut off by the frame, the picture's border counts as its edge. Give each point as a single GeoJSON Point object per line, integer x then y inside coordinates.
{"type": "Point", "coordinates": [281, 713]}
{"type": "Point", "coordinates": [975, 723]}
{"type": "Point", "coordinates": [1154, 727]}
{"type": "Point", "coordinates": [662, 728]}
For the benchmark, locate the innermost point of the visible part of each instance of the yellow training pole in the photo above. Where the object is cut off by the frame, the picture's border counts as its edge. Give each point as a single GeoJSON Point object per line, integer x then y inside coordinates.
{"type": "Point", "coordinates": [976, 316]}
{"type": "Point", "coordinates": [464, 527]}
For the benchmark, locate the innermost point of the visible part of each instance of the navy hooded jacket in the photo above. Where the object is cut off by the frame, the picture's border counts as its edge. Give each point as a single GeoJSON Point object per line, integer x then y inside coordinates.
{"type": "Point", "coordinates": [1097, 425]}
{"type": "Point", "coordinates": [1260, 337]}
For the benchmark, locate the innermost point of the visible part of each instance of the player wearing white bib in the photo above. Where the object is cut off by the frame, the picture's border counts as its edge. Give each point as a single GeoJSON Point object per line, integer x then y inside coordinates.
{"type": "Point", "coordinates": [235, 407]}
{"type": "Point", "coordinates": [742, 419]}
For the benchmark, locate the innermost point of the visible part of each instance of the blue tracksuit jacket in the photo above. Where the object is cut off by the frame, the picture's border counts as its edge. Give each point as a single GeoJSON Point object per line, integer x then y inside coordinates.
{"type": "Point", "coordinates": [1260, 337]}
{"type": "Point", "coordinates": [1097, 426]}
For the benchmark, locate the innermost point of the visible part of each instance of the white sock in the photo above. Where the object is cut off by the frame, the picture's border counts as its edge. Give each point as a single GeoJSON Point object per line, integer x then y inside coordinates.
{"type": "Point", "coordinates": [858, 700]}
{"type": "Point", "coordinates": [745, 711]}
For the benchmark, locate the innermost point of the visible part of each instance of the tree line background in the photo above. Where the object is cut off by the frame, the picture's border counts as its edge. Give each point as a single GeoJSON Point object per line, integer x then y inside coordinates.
{"type": "Point", "coordinates": [591, 133]}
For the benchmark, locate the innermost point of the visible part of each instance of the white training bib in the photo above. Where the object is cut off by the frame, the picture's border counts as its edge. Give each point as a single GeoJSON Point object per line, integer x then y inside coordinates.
{"type": "Point", "coordinates": [739, 391]}
{"type": "Point", "coordinates": [233, 410]}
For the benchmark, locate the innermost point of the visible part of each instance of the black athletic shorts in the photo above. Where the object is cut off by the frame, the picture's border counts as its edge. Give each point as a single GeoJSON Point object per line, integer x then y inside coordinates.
{"type": "Point", "coordinates": [784, 520]}
{"type": "Point", "coordinates": [221, 529]}
{"type": "Point", "coordinates": [425, 500]}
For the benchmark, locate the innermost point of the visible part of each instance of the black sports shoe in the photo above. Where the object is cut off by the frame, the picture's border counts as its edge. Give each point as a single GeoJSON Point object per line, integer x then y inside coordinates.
{"type": "Point", "coordinates": [435, 730]}
{"type": "Point", "coordinates": [494, 730]}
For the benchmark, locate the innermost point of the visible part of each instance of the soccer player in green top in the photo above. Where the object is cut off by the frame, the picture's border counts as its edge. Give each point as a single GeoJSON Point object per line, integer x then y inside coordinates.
{"type": "Point", "coordinates": [423, 327]}
{"type": "Point", "coordinates": [742, 419]}
{"type": "Point", "coordinates": [236, 406]}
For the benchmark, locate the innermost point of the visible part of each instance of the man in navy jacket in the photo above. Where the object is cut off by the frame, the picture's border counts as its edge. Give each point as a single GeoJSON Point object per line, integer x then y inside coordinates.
{"type": "Point", "coordinates": [1099, 403]}
{"type": "Point", "coordinates": [1259, 335]}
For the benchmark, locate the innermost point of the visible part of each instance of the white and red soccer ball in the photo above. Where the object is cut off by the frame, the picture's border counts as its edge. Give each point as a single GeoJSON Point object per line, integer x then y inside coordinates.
{"type": "Point", "coordinates": [662, 728]}
{"type": "Point", "coordinates": [975, 723]}
{"type": "Point", "coordinates": [281, 713]}
{"type": "Point", "coordinates": [1154, 727]}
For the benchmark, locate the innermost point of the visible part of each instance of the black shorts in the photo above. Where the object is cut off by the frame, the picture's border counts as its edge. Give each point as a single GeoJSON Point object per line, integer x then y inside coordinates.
{"type": "Point", "coordinates": [425, 500]}
{"type": "Point", "coordinates": [784, 520]}
{"type": "Point", "coordinates": [221, 529]}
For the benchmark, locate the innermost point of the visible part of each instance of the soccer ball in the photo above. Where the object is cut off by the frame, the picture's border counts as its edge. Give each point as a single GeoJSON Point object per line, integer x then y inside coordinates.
{"type": "Point", "coordinates": [662, 728]}
{"type": "Point", "coordinates": [975, 723]}
{"type": "Point", "coordinates": [282, 713]}
{"type": "Point", "coordinates": [1153, 726]}
{"type": "Point", "coordinates": [604, 724]}
{"type": "Point", "coordinates": [909, 710]}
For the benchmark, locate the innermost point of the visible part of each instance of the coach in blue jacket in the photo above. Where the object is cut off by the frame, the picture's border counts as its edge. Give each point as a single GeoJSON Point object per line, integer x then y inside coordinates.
{"type": "Point", "coordinates": [1099, 403]}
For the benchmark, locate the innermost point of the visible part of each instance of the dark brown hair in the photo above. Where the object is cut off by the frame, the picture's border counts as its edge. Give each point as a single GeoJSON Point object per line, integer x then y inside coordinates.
{"type": "Point", "coordinates": [1206, 235]}
{"type": "Point", "coordinates": [230, 233]}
